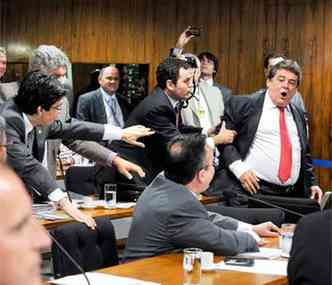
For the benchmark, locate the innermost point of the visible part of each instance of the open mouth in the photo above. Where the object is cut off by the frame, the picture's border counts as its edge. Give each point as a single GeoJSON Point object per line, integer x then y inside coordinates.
{"type": "Point", "coordinates": [284, 93]}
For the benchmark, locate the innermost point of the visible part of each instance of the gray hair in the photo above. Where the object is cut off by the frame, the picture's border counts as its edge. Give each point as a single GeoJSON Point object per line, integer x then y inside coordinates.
{"type": "Point", "coordinates": [48, 58]}
{"type": "Point", "coordinates": [289, 65]}
{"type": "Point", "coordinates": [2, 130]}
{"type": "Point", "coordinates": [3, 51]}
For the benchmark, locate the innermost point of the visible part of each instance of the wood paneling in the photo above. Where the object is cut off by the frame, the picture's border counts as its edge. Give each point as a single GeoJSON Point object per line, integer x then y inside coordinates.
{"type": "Point", "coordinates": [239, 32]}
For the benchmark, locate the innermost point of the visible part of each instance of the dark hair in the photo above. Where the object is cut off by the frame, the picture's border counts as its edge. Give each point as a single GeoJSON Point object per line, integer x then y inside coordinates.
{"type": "Point", "coordinates": [185, 157]}
{"type": "Point", "coordinates": [38, 89]}
{"type": "Point", "coordinates": [210, 56]}
{"type": "Point", "coordinates": [289, 65]}
{"type": "Point", "coordinates": [169, 69]}
{"type": "Point", "coordinates": [271, 56]}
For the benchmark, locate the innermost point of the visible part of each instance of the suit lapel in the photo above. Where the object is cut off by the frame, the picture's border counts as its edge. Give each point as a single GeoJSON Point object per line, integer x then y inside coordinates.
{"type": "Point", "coordinates": [100, 102]}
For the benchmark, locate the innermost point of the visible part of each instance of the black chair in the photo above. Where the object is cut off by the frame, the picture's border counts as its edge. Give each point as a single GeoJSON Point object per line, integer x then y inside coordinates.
{"type": "Point", "coordinates": [299, 205]}
{"type": "Point", "coordinates": [81, 180]}
{"type": "Point", "coordinates": [92, 249]}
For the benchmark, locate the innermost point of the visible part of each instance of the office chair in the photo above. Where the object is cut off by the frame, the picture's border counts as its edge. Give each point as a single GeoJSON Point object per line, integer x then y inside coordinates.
{"type": "Point", "coordinates": [326, 201]}
{"type": "Point", "coordinates": [81, 180]}
{"type": "Point", "coordinates": [92, 249]}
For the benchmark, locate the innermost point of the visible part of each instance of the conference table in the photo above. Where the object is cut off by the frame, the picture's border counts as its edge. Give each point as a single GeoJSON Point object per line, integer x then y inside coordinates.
{"type": "Point", "coordinates": [167, 269]}
{"type": "Point", "coordinates": [111, 213]}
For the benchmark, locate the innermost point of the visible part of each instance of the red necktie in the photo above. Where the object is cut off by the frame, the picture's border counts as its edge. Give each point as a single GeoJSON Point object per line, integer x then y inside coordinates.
{"type": "Point", "coordinates": [285, 166]}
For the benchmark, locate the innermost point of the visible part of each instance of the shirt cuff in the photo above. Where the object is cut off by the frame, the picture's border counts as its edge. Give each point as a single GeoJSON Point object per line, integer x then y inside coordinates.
{"type": "Point", "coordinates": [210, 142]}
{"type": "Point", "coordinates": [176, 51]}
{"type": "Point", "coordinates": [112, 133]}
{"type": "Point", "coordinates": [110, 158]}
{"type": "Point", "coordinates": [244, 227]}
{"type": "Point", "coordinates": [57, 195]}
{"type": "Point", "coordinates": [238, 167]}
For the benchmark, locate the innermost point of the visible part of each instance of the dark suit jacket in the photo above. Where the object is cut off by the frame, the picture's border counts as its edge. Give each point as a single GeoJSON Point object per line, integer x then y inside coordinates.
{"type": "Point", "coordinates": [90, 107]}
{"type": "Point", "coordinates": [242, 114]}
{"type": "Point", "coordinates": [311, 255]}
{"type": "Point", "coordinates": [226, 92]}
{"type": "Point", "coordinates": [26, 164]}
{"type": "Point", "coordinates": [157, 113]}
{"type": "Point", "coordinates": [168, 217]}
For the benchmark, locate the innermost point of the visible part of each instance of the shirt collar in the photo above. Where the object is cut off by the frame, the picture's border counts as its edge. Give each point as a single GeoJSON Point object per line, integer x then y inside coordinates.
{"type": "Point", "coordinates": [27, 124]}
{"type": "Point", "coordinates": [172, 101]}
{"type": "Point", "coordinates": [107, 97]}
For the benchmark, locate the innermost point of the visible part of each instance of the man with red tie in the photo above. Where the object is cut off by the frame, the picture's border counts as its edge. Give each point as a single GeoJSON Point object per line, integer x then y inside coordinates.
{"type": "Point", "coordinates": [270, 154]}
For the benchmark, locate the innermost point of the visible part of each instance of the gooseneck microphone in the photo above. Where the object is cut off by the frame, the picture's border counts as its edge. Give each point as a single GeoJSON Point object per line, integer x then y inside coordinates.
{"type": "Point", "coordinates": [231, 194]}
{"type": "Point", "coordinates": [67, 254]}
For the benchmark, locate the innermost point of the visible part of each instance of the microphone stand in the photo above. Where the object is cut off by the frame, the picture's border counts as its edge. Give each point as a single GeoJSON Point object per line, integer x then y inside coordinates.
{"type": "Point", "coordinates": [67, 254]}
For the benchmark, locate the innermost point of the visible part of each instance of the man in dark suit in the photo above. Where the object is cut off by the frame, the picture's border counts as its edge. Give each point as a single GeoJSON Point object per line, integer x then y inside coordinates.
{"type": "Point", "coordinates": [310, 261]}
{"type": "Point", "coordinates": [270, 153]}
{"type": "Point", "coordinates": [31, 119]}
{"type": "Point", "coordinates": [160, 112]}
{"type": "Point", "coordinates": [168, 215]}
{"type": "Point", "coordinates": [104, 105]}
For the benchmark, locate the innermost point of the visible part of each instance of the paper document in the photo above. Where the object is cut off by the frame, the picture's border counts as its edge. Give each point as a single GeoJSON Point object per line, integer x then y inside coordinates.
{"type": "Point", "coordinates": [263, 253]}
{"type": "Point", "coordinates": [100, 279]}
{"type": "Point", "coordinates": [274, 267]}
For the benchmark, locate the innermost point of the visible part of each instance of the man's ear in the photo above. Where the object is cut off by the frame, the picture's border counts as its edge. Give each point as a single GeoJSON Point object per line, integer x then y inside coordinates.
{"type": "Point", "coordinates": [268, 83]}
{"type": "Point", "coordinates": [201, 175]}
{"type": "Point", "coordinates": [39, 110]}
{"type": "Point", "coordinates": [170, 85]}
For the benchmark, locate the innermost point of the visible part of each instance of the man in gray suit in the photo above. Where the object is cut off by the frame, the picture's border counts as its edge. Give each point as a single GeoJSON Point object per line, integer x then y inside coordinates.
{"type": "Point", "coordinates": [168, 215]}
{"type": "Point", "coordinates": [31, 120]}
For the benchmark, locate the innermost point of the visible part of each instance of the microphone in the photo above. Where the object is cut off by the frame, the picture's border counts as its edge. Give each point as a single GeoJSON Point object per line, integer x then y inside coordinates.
{"type": "Point", "coordinates": [67, 254]}
{"type": "Point", "coordinates": [231, 194]}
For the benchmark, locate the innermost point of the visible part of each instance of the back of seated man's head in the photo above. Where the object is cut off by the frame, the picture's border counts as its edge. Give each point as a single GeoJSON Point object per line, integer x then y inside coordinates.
{"type": "Point", "coordinates": [21, 236]}
{"type": "Point", "coordinates": [38, 88]}
{"type": "Point", "coordinates": [169, 70]}
{"type": "Point", "coordinates": [3, 140]}
{"type": "Point", "coordinates": [186, 155]}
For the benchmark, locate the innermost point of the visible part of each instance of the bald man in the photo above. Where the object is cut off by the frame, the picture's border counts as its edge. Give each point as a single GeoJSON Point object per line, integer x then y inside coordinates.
{"type": "Point", "coordinates": [21, 236]}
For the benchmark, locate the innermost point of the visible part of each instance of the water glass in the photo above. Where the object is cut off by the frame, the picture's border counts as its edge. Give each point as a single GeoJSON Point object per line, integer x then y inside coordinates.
{"type": "Point", "coordinates": [110, 195]}
{"type": "Point", "coordinates": [286, 239]}
{"type": "Point", "coordinates": [192, 266]}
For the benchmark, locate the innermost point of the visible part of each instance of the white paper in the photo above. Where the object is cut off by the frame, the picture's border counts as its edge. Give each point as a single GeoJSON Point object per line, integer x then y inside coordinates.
{"type": "Point", "coordinates": [263, 253]}
{"type": "Point", "coordinates": [274, 267]}
{"type": "Point", "coordinates": [100, 279]}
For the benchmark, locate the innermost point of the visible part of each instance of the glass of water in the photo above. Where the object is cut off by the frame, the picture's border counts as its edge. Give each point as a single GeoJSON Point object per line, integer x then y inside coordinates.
{"type": "Point", "coordinates": [192, 266]}
{"type": "Point", "coordinates": [110, 195]}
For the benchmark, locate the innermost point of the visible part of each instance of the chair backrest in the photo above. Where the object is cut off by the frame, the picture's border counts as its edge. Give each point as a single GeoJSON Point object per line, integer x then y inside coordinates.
{"type": "Point", "coordinates": [300, 205]}
{"type": "Point", "coordinates": [92, 249]}
{"type": "Point", "coordinates": [81, 180]}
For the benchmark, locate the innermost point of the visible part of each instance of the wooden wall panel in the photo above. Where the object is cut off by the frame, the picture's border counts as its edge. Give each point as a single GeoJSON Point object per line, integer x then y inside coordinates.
{"type": "Point", "coordinates": [239, 32]}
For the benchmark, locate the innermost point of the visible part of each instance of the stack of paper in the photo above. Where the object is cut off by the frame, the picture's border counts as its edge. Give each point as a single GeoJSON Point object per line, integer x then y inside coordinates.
{"type": "Point", "coordinates": [100, 279]}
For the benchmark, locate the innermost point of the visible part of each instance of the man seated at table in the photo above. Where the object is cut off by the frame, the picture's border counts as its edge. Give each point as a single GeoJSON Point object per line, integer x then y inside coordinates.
{"type": "Point", "coordinates": [21, 236]}
{"type": "Point", "coordinates": [168, 215]}
{"type": "Point", "coordinates": [31, 119]}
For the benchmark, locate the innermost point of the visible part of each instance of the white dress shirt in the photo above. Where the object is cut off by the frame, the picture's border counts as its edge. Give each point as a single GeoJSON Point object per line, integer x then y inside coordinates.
{"type": "Point", "coordinates": [264, 154]}
{"type": "Point", "coordinates": [107, 98]}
